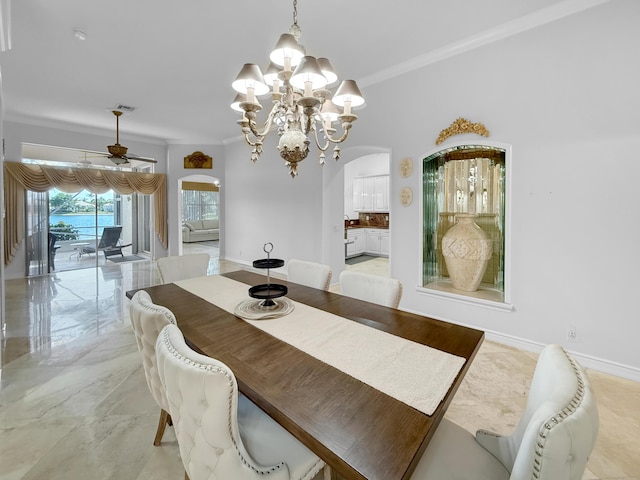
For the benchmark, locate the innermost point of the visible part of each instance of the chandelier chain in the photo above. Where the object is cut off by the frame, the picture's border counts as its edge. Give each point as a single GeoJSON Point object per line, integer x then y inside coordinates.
{"type": "Point", "coordinates": [295, 12]}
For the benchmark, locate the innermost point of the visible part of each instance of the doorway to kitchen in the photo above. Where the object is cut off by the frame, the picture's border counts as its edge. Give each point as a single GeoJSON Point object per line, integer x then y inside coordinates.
{"type": "Point", "coordinates": [366, 214]}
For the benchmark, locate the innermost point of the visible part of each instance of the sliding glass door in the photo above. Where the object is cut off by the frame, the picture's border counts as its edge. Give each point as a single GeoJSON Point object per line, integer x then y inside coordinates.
{"type": "Point", "coordinates": [64, 230]}
{"type": "Point", "coordinates": [37, 230]}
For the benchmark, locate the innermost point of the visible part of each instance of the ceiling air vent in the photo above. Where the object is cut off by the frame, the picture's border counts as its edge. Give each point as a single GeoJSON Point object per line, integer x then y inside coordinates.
{"type": "Point", "coordinates": [124, 108]}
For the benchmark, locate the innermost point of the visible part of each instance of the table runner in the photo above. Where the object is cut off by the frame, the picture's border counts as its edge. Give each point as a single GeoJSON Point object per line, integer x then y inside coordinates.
{"type": "Point", "coordinates": [410, 372]}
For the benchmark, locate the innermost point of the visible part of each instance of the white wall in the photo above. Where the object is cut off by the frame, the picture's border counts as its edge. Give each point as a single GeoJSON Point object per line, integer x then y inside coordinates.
{"type": "Point", "coordinates": [565, 97]}
{"type": "Point", "coordinates": [264, 204]}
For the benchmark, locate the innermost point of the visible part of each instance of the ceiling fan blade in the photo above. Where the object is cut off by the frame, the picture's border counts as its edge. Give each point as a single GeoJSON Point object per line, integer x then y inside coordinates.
{"type": "Point", "coordinates": [95, 155]}
{"type": "Point", "coordinates": [142, 159]}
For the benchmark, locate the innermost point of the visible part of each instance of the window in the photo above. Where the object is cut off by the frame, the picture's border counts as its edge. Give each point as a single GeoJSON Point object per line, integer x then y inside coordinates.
{"type": "Point", "coordinates": [465, 179]}
{"type": "Point", "coordinates": [199, 201]}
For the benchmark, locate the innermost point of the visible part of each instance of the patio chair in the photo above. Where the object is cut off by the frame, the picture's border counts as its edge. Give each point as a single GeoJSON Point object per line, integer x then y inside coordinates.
{"type": "Point", "coordinates": [109, 243]}
{"type": "Point", "coordinates": [53, 248]}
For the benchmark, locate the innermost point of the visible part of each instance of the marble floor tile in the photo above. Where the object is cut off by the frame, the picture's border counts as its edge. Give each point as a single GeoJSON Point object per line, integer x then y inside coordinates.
{"type": "Point", "coordinates": [22, 448]}
{"type": "Point", "coordinates": [74, 401]}
{"type": "Point", "coordinates": [375, 266]}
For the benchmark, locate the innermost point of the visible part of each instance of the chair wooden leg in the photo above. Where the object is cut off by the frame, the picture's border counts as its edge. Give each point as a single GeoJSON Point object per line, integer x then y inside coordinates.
{"type": "Point", "coordinates": [165, 419]}
{"type": "Point", "coordinates": [328, 474]}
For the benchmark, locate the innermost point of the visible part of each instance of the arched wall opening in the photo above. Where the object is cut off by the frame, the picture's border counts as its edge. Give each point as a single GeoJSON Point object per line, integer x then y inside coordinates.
{"type": "Point", "coordinates": [335, 191]}
{"type": "Point", "coordinates": [214, 182]}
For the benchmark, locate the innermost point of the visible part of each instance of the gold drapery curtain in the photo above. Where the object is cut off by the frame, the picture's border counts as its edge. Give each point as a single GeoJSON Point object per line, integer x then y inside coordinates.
{"type": "Point", "coordinates": [19, 177]}
{"type": "Point", "coordinates": [200, 186]}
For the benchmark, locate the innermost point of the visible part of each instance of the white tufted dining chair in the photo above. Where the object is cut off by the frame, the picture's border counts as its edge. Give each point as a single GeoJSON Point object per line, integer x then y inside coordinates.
{"type": "Point", "coordinates": [222, 434]}
{"type": "Point", "coordinates": [181, 267]}
{"type": "Point", "coordinates": [552, 441]}
{"type": "Point", "coordinates": [147, 319]}
{"type": "Point", "coordinates": [311, 274]}
{"type": "Point", "coordinates": [371, 288]}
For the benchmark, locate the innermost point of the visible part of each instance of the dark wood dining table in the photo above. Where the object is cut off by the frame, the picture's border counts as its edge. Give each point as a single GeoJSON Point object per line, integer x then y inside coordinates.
{"type": "Point", "coordinates": [360, 432]}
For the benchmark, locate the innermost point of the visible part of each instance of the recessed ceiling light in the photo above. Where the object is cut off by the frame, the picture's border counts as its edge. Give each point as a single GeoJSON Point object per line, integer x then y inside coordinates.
{"type": "Point", "coordinates": [80, 35]}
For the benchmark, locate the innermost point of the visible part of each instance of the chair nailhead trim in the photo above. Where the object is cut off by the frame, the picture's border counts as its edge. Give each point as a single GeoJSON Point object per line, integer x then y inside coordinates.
{"type": "Point", "coordinates": [222, 371]}
{"type": "Point", "coordinates": [566, 412]}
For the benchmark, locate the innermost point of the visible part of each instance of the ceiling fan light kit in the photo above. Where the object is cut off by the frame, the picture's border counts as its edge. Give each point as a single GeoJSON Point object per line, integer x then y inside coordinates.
{"type": "Point", "coordinates": [301, 103]}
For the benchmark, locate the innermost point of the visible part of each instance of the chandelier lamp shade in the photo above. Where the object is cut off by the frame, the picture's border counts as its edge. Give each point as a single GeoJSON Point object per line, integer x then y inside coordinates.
{"type": "Point", "coordinates": [303, 105]}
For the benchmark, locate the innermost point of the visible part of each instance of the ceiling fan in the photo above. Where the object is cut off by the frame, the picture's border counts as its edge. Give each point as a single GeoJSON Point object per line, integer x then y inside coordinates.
{"type": "Point", "coordinates": [118, 153]}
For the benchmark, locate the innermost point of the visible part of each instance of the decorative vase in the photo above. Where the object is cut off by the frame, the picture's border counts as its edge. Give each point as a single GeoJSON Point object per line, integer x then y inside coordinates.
{"type": "Point", "coordinates": [467, 250]}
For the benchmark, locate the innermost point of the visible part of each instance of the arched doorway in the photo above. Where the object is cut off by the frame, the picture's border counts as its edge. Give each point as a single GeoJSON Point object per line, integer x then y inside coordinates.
{"type": "Point", "coordinates": [367, 213]}
{"type": "Point", "coordinates": [199, 209]}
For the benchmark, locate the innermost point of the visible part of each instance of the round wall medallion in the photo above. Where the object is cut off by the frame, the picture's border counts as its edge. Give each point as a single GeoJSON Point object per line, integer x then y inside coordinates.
{"type": "Point", "coordinates": [406, 196]}
{"type": "Point", "coordinates": [406, 167]}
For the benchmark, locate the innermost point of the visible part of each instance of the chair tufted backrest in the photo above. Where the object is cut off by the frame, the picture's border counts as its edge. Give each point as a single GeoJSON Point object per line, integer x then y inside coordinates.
{"type": "Point", "coordinates": [203, 402]}
{"type": "Point", "coordinates": [147, 319]}
{"type": "Point", "coordinates": [181, 267]}
{"type": "Point", "coordinates": [311, 274]}
{"type": "Point", "coordinates": [371, 288]}
{"type": "Point", "coordinates": [558, 428]}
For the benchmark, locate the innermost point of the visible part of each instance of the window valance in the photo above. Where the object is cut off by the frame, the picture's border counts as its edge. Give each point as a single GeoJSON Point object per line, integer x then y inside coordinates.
{"type": "Point", "coordinates": [41, 178]}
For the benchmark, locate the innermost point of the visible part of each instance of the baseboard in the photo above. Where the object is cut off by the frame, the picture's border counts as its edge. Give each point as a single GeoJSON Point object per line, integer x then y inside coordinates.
{"type": "Point", "coordinates": [587, 361]}
{"type": "Point", "coordinates": [237, 260]}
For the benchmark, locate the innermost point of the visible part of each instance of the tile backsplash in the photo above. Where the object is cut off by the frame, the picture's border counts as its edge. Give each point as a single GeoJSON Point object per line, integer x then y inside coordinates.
{"type": "Point", "coordinates": [373, 219]}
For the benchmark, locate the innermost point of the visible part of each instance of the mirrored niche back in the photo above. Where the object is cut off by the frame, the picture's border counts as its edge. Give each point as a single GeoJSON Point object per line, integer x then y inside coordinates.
{"type": "Point", "coordinates": [461, 182]}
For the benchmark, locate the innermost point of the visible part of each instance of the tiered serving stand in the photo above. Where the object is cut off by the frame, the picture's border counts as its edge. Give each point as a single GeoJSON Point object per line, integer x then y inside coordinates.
{"type": "Point", "coordinates": [265, 306]}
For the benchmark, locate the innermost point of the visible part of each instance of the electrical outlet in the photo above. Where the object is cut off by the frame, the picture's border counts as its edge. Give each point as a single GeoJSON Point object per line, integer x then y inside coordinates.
{"type": "Point", "coordinates": [572, 334]}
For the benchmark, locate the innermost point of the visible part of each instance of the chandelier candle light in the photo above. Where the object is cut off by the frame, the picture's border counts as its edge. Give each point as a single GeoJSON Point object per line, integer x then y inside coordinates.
{"type": "Point", "coordinates": [301, 105]}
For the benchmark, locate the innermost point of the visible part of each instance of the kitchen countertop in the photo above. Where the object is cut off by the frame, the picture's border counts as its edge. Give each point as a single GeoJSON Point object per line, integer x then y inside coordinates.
{"type": "Point", "coordinates": [353, 227]}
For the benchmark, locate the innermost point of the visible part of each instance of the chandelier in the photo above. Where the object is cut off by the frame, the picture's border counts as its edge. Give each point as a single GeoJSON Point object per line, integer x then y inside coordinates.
{"type": "Point", "coordinates": [302, 104]}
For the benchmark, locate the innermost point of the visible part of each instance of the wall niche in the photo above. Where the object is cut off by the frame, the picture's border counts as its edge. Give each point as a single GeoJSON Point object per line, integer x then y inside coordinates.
{"type": "Point", "coordinates": [465, 179]}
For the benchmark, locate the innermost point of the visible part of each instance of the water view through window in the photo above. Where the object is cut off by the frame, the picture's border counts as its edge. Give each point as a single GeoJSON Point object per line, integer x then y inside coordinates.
{"type": "Point", "coordinates": [75, 216]}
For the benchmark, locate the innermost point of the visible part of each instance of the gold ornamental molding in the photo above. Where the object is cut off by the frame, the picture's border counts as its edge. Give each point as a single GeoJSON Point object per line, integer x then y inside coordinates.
{"type": "Point", "coordinates": [198, 160]}
{"type": "Point", "coordinates": [459, 126]}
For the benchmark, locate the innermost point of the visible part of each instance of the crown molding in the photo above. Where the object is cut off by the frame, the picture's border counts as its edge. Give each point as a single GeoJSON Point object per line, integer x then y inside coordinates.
{"type": "Point", "coordinates": [77, 128]}
{"type": "Point", "coordinates": [533, 20]}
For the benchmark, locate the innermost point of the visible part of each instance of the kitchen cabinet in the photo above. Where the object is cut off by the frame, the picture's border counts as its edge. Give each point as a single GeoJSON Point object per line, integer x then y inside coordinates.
{"type": "Point", "coordinates": [377, 241]}
{"type": "Point", "coordinates": [384, 243]}
{"type": "Point", "coordinates": [357, 237]}
{"type": "Point", "coordinates": [371, 194]}
{"type": "Point", "coordinates": [357, 193]}
{"type": "Point", "coordinates": [381, 193]}
{"type": "Point", "coordinates": [373, 241]}
{"type": "Point", "coordinates": [368, 194]}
